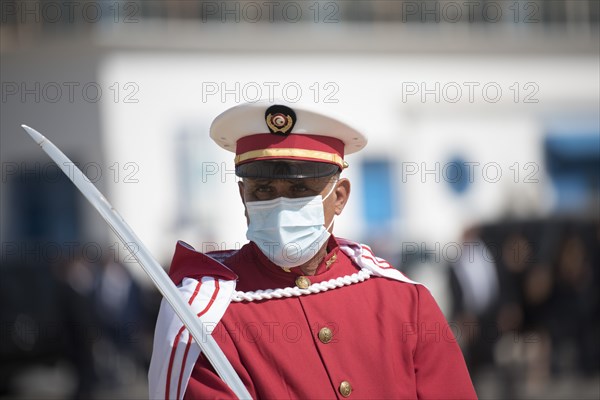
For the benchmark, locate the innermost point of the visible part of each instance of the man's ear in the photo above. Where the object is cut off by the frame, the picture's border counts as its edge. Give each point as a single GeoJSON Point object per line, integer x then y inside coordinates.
{"type": "Point", "coordinates": [241, 191]}
{"type": "Point", "coordinates": [342, 193]}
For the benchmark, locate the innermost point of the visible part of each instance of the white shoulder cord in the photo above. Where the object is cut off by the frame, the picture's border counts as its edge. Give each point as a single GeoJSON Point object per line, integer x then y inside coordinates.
{"type": "Point", "coordinates": [359, 276]}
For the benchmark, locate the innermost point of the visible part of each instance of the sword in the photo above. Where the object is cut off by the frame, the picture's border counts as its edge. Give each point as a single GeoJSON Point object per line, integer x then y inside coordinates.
{"type": "Point", "coordinates": [207, 343]}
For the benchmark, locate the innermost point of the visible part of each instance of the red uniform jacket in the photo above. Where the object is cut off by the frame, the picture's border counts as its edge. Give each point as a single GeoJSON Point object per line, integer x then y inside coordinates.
{"type": "Point", "coordinates": [377, 339]}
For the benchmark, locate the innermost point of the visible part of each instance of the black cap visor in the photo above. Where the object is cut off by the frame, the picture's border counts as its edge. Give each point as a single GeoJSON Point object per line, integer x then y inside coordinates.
{"type": "Point", "coordinates": [268, 169]}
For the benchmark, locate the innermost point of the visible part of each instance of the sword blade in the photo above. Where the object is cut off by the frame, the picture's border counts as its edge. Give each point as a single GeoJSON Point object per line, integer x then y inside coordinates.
{"type": "Point", "coordinates": [207, 343]}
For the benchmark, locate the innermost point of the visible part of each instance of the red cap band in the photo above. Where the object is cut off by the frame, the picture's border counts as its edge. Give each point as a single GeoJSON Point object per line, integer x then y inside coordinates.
{"type": "Point", "coordinates": [264, 146]}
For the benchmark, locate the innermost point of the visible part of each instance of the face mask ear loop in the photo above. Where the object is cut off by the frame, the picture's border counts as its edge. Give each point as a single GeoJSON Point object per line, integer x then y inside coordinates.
{"type": "Point", "coordinates": [331, 223]}
{"type": "Point", "coordinates": [331, 190]}
{"type": "Point", "coordinates": [329, 194]}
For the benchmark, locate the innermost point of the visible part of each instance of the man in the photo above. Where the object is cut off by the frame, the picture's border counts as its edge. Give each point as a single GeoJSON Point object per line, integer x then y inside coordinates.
{"type": "Point", "coordinates": [312, 315]}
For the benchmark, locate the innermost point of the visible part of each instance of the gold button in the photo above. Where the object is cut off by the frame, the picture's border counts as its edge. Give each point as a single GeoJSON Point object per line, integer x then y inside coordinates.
{"type": "Point", "coordinates": [325, 335]}
{"type": "Point", "coordinates": [345, 388]}
{"type": "Point", "coordinates": [302, 282]}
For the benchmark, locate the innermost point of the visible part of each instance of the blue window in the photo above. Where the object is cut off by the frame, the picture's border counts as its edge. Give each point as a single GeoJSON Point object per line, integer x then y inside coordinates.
{"type": "Point", "coordinates": [457, 175]}
{"type": "Point", "coordinates": [379, 197]}
{"type": "Point", "coordinates": [573, 163]}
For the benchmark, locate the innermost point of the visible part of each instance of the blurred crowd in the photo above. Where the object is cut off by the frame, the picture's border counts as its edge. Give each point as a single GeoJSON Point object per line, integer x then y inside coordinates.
{"type": "Point", "coordinates": [91, 321]}
{"type": "Point", "coordinates": [524, 304]}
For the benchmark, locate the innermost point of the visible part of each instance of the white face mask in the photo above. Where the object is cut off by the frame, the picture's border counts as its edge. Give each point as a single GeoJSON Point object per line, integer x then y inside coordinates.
{"type": "Point", "coordinates": [289, 232]}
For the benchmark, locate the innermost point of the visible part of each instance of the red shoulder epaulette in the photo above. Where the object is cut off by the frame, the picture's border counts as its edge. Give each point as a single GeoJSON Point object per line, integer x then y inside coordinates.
{"type": "Point", "coordinates": [189, 263]}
